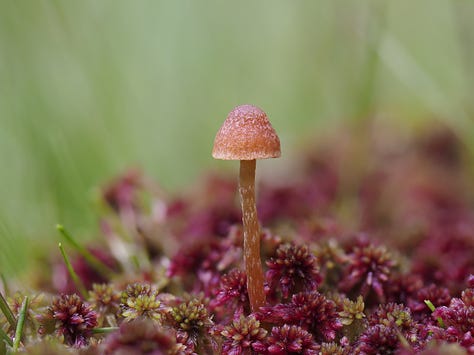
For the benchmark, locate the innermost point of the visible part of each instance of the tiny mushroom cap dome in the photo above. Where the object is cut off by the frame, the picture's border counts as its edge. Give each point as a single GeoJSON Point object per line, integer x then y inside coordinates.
{"type": "Point", "coordinates": [246, 134]}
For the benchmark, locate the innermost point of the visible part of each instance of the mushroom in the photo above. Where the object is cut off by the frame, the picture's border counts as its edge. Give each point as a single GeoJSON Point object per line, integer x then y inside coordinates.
{"type": "Point", "coordinates": [247, 135]}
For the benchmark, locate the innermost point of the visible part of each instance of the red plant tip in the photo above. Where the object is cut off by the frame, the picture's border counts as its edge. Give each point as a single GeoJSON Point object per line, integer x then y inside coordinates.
{"type": "Point", "coordinates": [294, 269]}
{"type": "Point", "coordinates": [242, 336]}
{"type": "Point", "coordinates": [141, 336]}
{"type": "Point", "coordinates": [70, 318]}
{"type": "Point", "coordinates": [233, 289]}
{"type": "Point", "coordinates": [291, 339]}
{"type": "Point", "coordinates": [310, 310]}
{"type": "Point", "coordinates": [369, 268]}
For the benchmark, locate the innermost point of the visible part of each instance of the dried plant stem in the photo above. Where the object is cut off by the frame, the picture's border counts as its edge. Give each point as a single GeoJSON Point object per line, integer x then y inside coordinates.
{"type": "Point", "coordinates": [20, 324]}
{"type": "Point", "coordinates": [253, 264]}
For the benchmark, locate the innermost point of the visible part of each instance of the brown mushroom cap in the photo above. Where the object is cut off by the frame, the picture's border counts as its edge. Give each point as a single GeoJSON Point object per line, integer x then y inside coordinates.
{"type": "Point", "coordinates": [246, 134]}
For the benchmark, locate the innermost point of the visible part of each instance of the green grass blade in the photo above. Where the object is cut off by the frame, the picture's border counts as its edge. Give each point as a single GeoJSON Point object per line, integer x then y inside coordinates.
{"type": "Point", "coordinates": [5, 337]}
{"type": "Point", "coordinates": [77, 281]}
{"type": "Point", "coordinates": [95, 263]}
{"type": "Point", "coordinates": [432, 308]}
{"type": "Point", "coordinates": [4, 282]}
{"type": "Point", "coordinates": [365, 100]}
{"type": "Point", "coordinates": [104, 330]}
{"type": "Point", "coordinates": [20, 324]}
{"type": "Point", "coordinates": [7, 311]}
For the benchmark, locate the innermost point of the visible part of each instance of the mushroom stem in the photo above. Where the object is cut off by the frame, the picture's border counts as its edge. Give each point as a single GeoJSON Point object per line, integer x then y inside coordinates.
{"type": "Point", "coordinates": [253, 265]}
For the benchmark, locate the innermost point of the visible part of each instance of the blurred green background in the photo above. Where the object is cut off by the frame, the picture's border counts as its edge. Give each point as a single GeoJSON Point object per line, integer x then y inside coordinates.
{"type": "Point", "coordinates": [88, 88]}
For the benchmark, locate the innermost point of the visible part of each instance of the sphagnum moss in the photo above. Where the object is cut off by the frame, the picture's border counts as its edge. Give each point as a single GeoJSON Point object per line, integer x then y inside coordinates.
{"type": "Point", "coordinates": [328, 289]}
